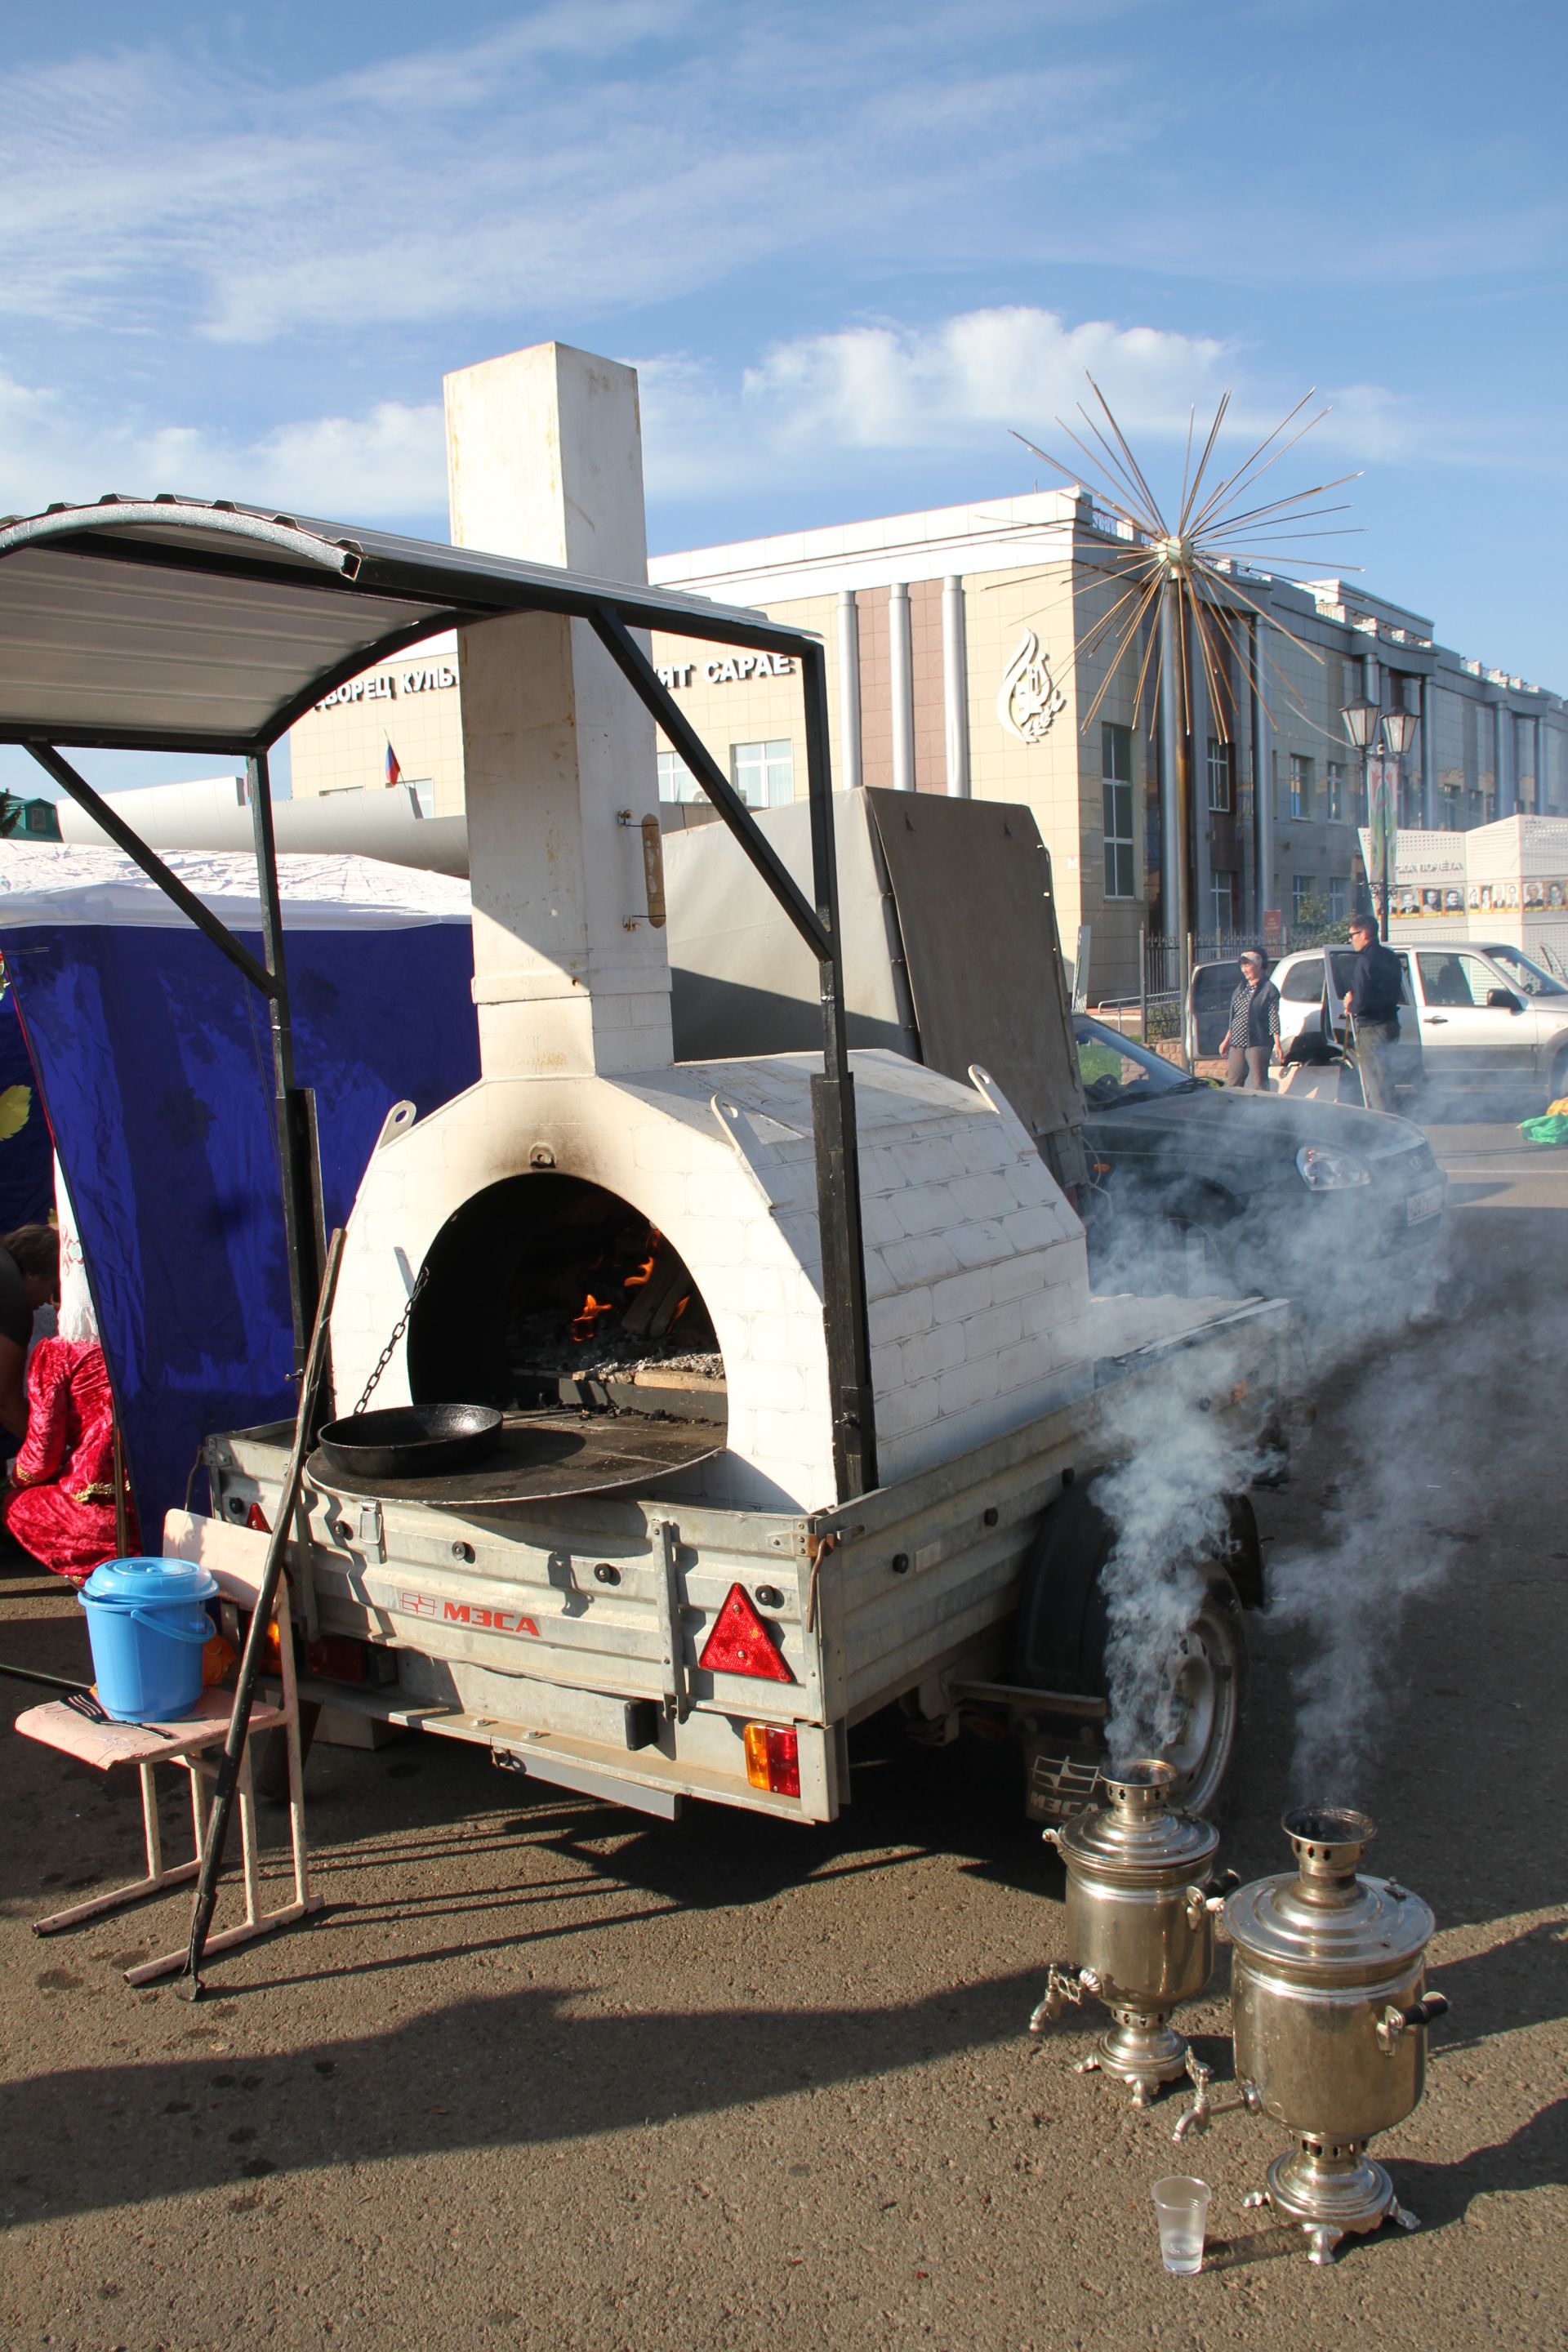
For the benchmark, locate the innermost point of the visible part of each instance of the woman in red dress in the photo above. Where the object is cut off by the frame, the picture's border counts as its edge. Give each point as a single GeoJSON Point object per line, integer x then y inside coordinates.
{"type": "Point", "coordinates": [61, 1506]}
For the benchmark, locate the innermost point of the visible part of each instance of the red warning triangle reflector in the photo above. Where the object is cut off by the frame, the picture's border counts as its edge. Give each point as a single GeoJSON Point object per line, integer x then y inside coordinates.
{"type": "Point", "coordinates": [257, 1518]}
{"type": "Point", "coordinates": [741, 1643]}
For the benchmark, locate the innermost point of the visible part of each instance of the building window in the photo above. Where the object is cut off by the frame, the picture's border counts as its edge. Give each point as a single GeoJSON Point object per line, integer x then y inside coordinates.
{"type": "Point", "coordinates": [763, 774]}
{"type": "Point", "coordinates": [1303, 891]}
{"type": "Point", "coordinates": [1300, 786]}
{"type": "Point", "coordinates": [1219, 774]}
{"type": "Point", "coordinates": [1222, 904]}
{"type": "Point", "coordinates": [1339, 896]}
{"type": "Point", "coordinates": [675, 780]}
{"type": "Point", "coordinates": [1336, 792]}
{"type": "Point", "coordinates": [1116, 794]}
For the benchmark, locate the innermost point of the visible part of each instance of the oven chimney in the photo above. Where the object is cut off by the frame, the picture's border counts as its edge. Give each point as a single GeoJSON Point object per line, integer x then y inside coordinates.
{"type": "Point", "coordinates": [545, 462]}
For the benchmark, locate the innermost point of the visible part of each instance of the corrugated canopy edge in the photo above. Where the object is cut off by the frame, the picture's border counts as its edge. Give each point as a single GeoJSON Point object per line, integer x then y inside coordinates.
{"type": "Point", "coordinates": [182, 624]}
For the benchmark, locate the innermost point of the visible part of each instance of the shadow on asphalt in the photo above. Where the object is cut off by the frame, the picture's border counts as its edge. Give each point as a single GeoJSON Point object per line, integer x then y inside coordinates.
{"type": "Point", "coordinates": [1534, 2157]}
{"type": "Point", "coordinates": [512, 2072]}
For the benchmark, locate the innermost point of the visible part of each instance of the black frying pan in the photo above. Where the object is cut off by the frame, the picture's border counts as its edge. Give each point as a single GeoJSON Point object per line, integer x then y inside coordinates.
{"type": "Point", "coordinates": [410, 1441]}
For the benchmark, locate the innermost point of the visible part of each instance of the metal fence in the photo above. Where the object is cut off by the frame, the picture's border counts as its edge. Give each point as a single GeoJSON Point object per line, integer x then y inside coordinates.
{"type": "Point", "coordinates": [1166, 968]}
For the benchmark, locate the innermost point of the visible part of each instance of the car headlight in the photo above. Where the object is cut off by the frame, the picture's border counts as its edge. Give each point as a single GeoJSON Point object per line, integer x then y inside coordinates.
{"type": "Point", "coordinates": [1329, 1171]}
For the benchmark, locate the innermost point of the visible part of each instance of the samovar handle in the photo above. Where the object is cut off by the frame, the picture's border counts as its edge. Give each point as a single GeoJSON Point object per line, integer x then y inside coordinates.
{"type": "Point", "coordinates": [1395, 2024]}
{"type": "Point", "coordinates": [1211, 1897]}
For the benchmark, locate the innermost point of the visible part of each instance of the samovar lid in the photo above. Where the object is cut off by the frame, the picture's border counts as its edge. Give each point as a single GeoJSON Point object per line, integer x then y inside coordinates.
{"type": "Point", "coordinates": [1135, 1834]}
{"type": "Point", "coordinates": [1321, 1918]}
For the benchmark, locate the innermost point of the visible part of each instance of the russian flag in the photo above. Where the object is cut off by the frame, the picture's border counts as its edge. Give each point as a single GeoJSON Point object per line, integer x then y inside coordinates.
{"type": "Point", "coordinates": [393, 772]}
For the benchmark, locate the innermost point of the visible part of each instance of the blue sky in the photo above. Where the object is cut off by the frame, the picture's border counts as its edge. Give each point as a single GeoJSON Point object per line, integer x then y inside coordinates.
{"type": "Point", "coordinates": [848, 246]}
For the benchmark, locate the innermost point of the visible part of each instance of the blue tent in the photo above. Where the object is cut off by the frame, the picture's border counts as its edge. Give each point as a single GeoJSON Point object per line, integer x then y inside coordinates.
{"type": "Point", "coordinates": [153, 1058]}
{"type": "Point", "coordinates": [26, 1156]}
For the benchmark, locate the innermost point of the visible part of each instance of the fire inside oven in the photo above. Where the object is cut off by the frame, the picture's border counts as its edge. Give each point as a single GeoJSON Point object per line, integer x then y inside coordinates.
{"type": "Point", "coordinates": [545, 1290]}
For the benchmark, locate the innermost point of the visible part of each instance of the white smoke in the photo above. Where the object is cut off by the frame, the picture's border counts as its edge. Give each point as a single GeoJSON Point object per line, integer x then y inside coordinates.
{"type": "Point", "coordinates": [1341, 1600]}
{"type": "Point", "coordinates": [1166, 1499]}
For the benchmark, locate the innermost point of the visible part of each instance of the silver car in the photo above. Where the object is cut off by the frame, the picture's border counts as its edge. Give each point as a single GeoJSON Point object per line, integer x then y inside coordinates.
{"type": "Point", "coordinates": [1475, 1011]}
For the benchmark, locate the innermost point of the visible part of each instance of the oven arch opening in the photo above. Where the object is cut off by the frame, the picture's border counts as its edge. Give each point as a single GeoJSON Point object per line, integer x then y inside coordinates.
{"type": "Point", "coordinates": [545, 1290]}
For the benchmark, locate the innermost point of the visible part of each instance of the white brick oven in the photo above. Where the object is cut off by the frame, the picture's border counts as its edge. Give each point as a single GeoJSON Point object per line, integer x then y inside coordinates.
{"type": "Point", "coordinates": [976, 1265]}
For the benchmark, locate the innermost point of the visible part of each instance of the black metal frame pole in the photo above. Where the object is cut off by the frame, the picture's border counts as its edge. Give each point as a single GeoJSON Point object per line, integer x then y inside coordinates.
{"type": "Point", "coordinates": [644, 680]}
{"type": "Point", "coordinates": [845, 1310]}
{"type": "Point", "coordinates": [217, 1836]}
{"type": "Point", "coordinates": [292, 1112]}
{"type": "Point", "coordinates": [152, 865]}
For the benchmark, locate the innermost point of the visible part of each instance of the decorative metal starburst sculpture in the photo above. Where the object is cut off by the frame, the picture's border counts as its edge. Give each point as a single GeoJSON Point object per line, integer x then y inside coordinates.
{"type": "Point", "coordinates": [1185, 573]}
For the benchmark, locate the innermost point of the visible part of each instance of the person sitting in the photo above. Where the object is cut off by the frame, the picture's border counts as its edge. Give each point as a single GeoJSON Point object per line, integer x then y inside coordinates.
{"type": "Point", "coordinates": [29, 1278]}
{"type": "Point", "coordinates": [61, 1503]}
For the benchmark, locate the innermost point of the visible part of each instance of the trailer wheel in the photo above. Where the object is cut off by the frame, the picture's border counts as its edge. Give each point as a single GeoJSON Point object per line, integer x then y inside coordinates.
{"type": "Point", "coordinates": [1202, 1694]}
{"type": "Point", "coordinates": [1060, 1644]}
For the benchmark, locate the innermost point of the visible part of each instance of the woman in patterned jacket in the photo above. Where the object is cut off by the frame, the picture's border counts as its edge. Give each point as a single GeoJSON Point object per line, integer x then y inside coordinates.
{"type": "Point", "coordinates": [1254, 1026]}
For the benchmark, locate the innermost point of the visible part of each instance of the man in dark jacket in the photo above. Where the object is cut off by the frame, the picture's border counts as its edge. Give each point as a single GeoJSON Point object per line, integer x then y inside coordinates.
{"type": "Point", "coordinates": [1372, 1005]}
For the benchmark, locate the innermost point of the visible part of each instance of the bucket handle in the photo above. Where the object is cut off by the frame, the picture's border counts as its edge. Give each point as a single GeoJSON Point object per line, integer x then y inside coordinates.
{"type": "Point", "coordinates": [159, 1624]}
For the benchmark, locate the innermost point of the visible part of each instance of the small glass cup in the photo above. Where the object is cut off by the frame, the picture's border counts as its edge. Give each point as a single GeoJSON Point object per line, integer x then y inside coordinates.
{"type": "Point", "coordinates": [1180, 2208]}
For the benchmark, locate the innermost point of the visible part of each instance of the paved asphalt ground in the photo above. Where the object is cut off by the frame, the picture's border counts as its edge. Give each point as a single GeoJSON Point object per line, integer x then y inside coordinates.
{"type": "Point", "coordinates": [546, 2077]}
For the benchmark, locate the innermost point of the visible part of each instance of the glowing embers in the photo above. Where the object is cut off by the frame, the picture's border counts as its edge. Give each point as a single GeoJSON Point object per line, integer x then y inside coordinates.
{"type": "Point", "coordinates": [740, 1643]}
{"type": "Point", "coordinates": [586, 1321]}
{"type": "Point", "coordinates": [546, 1290]}
{"type": "Point", "coordinates": [644, 1303]}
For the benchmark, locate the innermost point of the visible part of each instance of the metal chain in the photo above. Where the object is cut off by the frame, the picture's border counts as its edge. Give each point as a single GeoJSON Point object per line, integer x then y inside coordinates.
{"type": "Point", "coordinates": [399, 1329]}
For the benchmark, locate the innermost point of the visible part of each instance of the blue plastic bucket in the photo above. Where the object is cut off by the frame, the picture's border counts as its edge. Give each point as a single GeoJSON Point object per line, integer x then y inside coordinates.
{"type": "Point", "coordinates": [148, 1630]}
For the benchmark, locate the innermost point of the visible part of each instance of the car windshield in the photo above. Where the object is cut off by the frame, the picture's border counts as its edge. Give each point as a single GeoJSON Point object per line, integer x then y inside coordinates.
{"type": "Point", "coordinates": [1113, 1070]}
{"type": "Point", "coordinates": [1524, 974]}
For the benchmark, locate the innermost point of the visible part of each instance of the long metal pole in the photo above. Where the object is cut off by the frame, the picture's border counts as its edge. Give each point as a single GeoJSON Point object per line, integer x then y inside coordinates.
{"type": "Point", "coordinates": [291, 1111]}
{"type": "Point", "coordinates": [1262, 780]}
{"type": "Point", "coordinates": [1173, 817]}
{"type": "Point", "coordinates": [255, 1639]}
{"type": "Point", "coordinates": [844, 1311]}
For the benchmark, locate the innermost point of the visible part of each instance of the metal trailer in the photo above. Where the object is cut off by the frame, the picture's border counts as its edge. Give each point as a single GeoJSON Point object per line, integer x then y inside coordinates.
{"type": "Point", "coordinates": [567, 1639]}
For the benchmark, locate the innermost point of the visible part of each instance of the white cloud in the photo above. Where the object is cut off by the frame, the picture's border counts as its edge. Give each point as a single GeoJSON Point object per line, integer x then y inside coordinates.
{"type": "Point", "coordinates": [811, 415]}
{"type": "Point", "coordinates": [388, 463]}
{"type": "Point", "coordinates": [972, 377]}
{"type": "Point", "coordinates": [592, 156]}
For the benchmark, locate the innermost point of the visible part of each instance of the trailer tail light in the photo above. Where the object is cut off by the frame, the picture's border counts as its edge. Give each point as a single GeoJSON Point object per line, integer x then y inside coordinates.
{"type": "Point", "coordinates": [741, 1643]}
{"type": "Point", "coordinates": [772, 1759]}
{"type": "Point", "coordinates": [256, 1519]}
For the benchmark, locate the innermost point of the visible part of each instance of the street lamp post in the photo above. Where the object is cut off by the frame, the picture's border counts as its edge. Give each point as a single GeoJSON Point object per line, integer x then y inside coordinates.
{"type": "Point", "coordinates": [1360, 720]}
{"type": "Point", "coordinates": [1398, 735]}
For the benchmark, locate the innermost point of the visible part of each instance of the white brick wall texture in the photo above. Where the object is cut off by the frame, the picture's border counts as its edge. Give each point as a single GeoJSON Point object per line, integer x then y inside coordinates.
{"type": "Point", "coordinates": [976, 1265]}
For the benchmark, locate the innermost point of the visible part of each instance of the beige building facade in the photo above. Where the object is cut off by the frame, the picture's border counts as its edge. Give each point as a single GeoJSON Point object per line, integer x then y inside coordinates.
{"type": "Point", "coordinates": [411, 707]}
{"type": "Point", "coordinates": [965, 656]}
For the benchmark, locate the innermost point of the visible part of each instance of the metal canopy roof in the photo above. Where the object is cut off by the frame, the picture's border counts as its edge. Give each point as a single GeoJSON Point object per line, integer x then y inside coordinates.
{"type": "Point", "coordinates": [182, 624]}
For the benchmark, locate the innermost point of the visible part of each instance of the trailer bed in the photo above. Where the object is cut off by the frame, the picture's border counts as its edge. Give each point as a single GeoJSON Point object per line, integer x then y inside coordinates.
{"type": "Point", "coordinates": [566, 1636]}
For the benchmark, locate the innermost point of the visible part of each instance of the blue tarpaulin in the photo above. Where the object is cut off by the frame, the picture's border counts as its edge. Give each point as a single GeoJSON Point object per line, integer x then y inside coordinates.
{"type": "Point", "coordinates": [153, 1056]}
{"type": "Point", "coordinates": [26, 1156]}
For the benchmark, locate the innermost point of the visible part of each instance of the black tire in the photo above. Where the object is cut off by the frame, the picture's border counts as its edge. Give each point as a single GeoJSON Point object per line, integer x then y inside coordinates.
{"type": "Point", "coordinates": [1063, 1628]}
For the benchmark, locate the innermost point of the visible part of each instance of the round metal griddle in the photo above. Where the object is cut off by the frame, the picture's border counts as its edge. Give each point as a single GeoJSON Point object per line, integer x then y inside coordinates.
{"type": "Point", "coordinates": [410, 1441]}
{"type": "Point", "coordinates": [542, 1457]}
